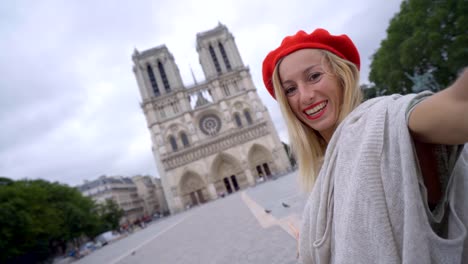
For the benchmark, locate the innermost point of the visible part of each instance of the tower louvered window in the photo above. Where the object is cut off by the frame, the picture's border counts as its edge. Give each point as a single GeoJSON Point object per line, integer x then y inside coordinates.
{"type": "Point", "coordinates": [184, 139]}
{"type": "Point", "coordinates": [225, 58]}
{"type": "Point", "coordinates": [152, 79]}
{"type": "Point", "coordinates": [215, 60]}
{"type": "Point", "coordinates": [248, 117]}
{"type": "Point", "coordinates": [162, 72]}
{"type": "Point", "coordinates": [173, 142]}
{"type": "Point", "coordinates": [238, 120]}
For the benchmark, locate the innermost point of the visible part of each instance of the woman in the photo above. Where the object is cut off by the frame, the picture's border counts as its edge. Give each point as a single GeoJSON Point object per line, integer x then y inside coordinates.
{"type": "Point", "coordinates": [388, 176]}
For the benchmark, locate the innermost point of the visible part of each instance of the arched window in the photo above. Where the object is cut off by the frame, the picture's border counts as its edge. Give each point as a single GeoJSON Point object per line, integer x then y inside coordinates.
{"type": "Point", "coordinates": [238, 120]}
{"type": "Point", "coordinates": [215, 60]}
{"type": "Point", "coordinates": [247, 116]}
{"type": "Point", "coordinates": [173, 142]}
{"type": "Point", "coordinates": [164, 77]}
{"type": "Point", "coordinates": [152, 79]}
{"type": "Point", "coordinates": [184, 139]}
{"type": "Point", "coordinates": [225, 57]}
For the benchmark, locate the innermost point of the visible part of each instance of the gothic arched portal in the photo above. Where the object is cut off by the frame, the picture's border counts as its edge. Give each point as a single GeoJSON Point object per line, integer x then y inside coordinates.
{"type": "Point", "coordinates": [227, 174]}
{"type": "Point", "coordinates": [261, 162]}
{"type": "Point", "coordinates": [192, 189]}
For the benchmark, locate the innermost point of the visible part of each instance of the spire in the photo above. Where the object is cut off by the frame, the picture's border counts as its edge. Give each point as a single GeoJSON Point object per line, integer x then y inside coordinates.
{"type": "Point", "coordinates": [201, 100]}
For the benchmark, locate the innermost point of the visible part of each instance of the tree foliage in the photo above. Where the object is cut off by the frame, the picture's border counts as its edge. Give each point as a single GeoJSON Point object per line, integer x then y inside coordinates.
{"type": "Point", "coordinates": [38, 218]}
{"type": "Point", "coordinates": [425, 36]}
{"type": "Point", "coordinates": [110, 213]}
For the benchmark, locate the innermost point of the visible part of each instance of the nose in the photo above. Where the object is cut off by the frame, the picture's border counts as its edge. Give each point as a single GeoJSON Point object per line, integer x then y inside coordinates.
{"type": "Point", "coordinates": [306, 94]}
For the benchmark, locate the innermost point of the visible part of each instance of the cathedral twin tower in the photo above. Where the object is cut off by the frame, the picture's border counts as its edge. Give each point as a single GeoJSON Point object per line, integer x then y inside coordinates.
{"type": "Point", "coordinates": [212, 138]}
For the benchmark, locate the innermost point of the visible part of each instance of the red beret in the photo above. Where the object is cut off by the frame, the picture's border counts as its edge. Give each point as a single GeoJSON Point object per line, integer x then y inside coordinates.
{"type": "Point", "coordinates": [341, 45]}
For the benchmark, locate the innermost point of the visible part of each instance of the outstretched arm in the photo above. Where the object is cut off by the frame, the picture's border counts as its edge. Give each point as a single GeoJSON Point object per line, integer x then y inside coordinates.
{"type": "Point", "coordinates": [443, 117]}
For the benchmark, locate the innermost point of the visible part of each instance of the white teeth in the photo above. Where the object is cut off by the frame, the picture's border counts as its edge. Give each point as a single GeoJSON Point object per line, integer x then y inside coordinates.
{"type": "Point", "coordinates": [316, 109]}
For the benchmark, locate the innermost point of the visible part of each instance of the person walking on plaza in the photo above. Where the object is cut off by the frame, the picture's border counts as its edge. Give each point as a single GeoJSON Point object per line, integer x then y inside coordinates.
{"type": "Point", "coordinates": [388, 177]}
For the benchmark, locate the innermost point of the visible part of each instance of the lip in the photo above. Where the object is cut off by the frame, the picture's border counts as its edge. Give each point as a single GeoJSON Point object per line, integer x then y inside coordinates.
{"type": "Point", "coordinates": [315, 116]}
{"type": "Point", "coordinates": [314, 105]}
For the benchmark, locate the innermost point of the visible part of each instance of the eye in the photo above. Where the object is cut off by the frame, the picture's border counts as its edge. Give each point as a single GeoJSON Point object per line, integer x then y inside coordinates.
{"type": "Point", "coordinates": [314, 77]}
{"type": "Point", "coordinates": [290, 90]}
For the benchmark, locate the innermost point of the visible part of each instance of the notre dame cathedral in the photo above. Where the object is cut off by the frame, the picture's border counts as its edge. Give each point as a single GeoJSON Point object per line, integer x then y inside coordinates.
{"type": "Point", "coordinates": [211, 138]}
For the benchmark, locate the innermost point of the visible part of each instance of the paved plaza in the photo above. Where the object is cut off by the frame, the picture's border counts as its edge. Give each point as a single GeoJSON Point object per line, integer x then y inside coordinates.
{"type": "Point", "coordinates": [233, 229]}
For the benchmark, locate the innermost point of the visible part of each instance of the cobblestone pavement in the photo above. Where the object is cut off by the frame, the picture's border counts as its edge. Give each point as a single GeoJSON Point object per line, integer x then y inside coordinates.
{"type": "Point", "coordinates": [234, 229]}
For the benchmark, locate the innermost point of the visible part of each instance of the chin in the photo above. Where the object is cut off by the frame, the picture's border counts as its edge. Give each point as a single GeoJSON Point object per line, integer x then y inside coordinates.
{"type": "Point", "coordinates": [323, 125]}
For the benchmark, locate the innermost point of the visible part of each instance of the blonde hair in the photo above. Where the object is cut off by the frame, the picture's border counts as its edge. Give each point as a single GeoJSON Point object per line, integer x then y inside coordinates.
{"type": "Point", "coordinates": [307, 144]}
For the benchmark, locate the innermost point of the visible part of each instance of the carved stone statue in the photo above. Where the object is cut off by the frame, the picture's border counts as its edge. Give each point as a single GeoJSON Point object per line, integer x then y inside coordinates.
{"type": "Point", "coordinates": [423, 82]}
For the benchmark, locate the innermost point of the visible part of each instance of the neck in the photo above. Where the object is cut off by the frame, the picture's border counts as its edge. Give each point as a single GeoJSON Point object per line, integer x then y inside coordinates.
{"type": "Point", "coordinates": [327, 135]}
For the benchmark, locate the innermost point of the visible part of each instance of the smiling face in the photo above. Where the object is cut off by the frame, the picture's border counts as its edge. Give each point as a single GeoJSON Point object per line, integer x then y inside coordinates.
{"type": "Point", "coordinates": [313, 92]}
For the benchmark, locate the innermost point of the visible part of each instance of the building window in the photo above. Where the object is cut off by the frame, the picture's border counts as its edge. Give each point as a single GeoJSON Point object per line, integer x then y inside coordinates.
{"type": "Point", "coordinates": [247, 116]}
{"type": "Point", "coordinates": [238, 120]}
{"type": "Point", "coordinates": [215, 60]}
{"type": "Point", "coordinates": [225, 58]}
{"type": "Point", "coordinates": [173, 142]}
{"type": "Point", "coordinates": [184, 139]}
{"type": "Point", "coordinates": [152, 79]}
{"type": "Point", "coordinates": [164, 77]}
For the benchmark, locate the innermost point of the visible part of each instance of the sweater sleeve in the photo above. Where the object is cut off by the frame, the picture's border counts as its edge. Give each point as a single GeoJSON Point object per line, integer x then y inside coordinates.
{"type": "Point", "coordinates": [416, 100]}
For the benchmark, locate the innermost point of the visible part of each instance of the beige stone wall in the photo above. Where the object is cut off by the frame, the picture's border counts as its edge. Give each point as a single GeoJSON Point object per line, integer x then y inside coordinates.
{"type": "Point", "coordinates": [123, 193]}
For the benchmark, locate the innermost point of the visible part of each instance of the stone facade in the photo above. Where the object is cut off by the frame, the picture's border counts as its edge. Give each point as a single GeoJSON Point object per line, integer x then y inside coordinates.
{"type": "Point", "coordinates": [214, 137]}
{"type": "Point", "coordinates": [150, 190]}
{"type": "Point", "coordinates": [120, 189]}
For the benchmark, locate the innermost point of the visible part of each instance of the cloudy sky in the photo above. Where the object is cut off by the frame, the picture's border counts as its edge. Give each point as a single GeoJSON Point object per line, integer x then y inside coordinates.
{"type": "Point", "coordinates": [69, 102]}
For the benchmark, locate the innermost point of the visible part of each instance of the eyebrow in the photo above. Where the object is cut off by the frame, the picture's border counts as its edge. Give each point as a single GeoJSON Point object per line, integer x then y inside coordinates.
{"type": "Point", "coordinates": [303, 72]}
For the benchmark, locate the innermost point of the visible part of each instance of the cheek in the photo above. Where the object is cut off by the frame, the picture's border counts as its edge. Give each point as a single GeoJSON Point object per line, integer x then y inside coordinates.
{"type": "Point", "coordinates": [337, 92]}
{"type": "Point", "coordinates": [293, 105]}
{"type": "Point", "coordinates": [340, 95]}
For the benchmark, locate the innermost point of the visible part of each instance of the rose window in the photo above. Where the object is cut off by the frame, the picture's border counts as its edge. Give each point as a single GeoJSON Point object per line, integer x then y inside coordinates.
{"type": "Point", "coordinates": [210, 124]}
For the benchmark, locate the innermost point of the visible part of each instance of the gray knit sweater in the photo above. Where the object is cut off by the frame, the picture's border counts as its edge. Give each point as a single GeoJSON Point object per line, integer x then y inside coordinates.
{"type": "Point", "coordinates": [369, 202]}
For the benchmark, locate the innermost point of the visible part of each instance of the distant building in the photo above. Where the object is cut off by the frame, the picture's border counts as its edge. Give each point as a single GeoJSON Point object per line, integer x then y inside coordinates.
{"type": "Point", "coordinates": [150, 190]}
{"type": "Point", "coordinates": [214, 137]}
{"type": "Point", "coordinates": [120, 189]}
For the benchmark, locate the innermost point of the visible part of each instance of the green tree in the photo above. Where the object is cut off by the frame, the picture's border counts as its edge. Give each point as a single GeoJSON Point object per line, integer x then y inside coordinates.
{"type": "Point", "coordinates": [425, 36]}
{"type": "Point", "coordinates": [5, 181]}
{"type": "Point", "coordinates": [110, 215]}
{"type": "Point", "coordinates": [289, 152]}
{"type": "Point", "coordinates": [78, 214]}
{"type": "Point", "coordinates": [38, 217]}
{"type": "Point", "coordinates": [368, 91]}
